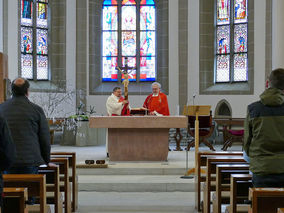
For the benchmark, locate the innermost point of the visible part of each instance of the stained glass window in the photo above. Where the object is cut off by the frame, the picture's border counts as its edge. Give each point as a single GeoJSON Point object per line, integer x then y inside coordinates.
{"type": "Point", "coordinates": [231, 62]}
{"type": "Point", "coordinates": [223, 12]}
{"type": "Point", "coordinates": [135, 39]}
{"type": "Point", "coordinates": [34, 39]}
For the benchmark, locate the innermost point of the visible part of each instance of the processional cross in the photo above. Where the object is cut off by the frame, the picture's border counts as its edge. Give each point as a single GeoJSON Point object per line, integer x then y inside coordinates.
{"type": "Point", "coordinates": [125, 71]}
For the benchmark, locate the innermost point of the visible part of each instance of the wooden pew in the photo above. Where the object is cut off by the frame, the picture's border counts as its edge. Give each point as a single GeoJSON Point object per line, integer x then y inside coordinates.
{"type": "Point", "coordinates": [35, 183]}
{"type": "Point", "coordinates": [280, 210]}
{"type": "Point", "coordinates": [202, 160]}
{"type": "Point", "coordinates": [223, 173]}
{"type": "Point", "coordinates": [266, 200]}
{"type": "Point", "coordinates": [211, 169]}
{"type": "Point", "coordinates": [52, 187]}
{"type": "Point", "coordinates": [14, 200]}
{"type": "Point", "coordinates": [240, 184]}
{"type": "Point", "coordinates": [73, 177]}
{"type": "Point", "coordinates": [64, 182]}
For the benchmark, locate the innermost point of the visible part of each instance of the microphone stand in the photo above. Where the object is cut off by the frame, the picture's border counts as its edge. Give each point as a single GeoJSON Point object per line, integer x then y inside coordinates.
{"type": "Point", "coordinates": [186, 176]}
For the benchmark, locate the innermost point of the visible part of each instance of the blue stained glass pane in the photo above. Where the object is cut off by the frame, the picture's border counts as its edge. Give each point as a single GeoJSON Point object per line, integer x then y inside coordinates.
{"type": "Point", "coordinates": [147, 18]}
{"type": "Point", "coordinates": [109, 17]}
{"type": "Point", "coordinates": [42, 15]}
{"type": "Point", "coordinates": [147, 43]}
{"type": "Point", "coordinates": [110, 43]}
{"type": "Point", "coordinates": [147, 68]}
{"type": "Point", "coordinates": [42, 42]}
{"type": "Point", "coordinates": [42, 67]}
{"type": "Point", "coordinates": [240, 67]}
{"type": "Point", "coordinates": [240, 38]}
{"type": "Point", "coordinates": [223, 39]}
{"type": "Point", "coordinates": [223, 68]}
{"type": "Point", "coordinates": [128, 43]}
{"type": "Point", "coordinates": [26, 12]}
{"type": "Point", "coordinates": [240, 11]}
{"type": "Point", "coordinates": [128, 18]}
{"type": "Point", "coordinates": [26, 40]}
{"type": "Point", "coordinates": [147, 2]}
{"type": "Point", "coordinates": [109, 71]}
{"type": "Point", "coordinates": [27, 66]}
{"type": "Point", "coordinates": [223, 12]}
{"type": "Point", "coordinates": [110, 2]}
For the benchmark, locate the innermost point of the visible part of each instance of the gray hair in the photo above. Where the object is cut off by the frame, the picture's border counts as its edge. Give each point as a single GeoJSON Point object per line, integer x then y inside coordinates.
{"type": "Point", "coordinates": [156, 84]}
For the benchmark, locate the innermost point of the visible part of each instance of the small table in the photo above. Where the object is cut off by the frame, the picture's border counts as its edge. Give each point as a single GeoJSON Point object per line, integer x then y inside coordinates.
{"type": "Point", "coordinates": [138, 138]}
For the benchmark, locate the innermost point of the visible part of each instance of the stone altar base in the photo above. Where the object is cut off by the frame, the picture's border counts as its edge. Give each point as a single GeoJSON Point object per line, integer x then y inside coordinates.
{"type": "Point", "coordinates": [138, 144]}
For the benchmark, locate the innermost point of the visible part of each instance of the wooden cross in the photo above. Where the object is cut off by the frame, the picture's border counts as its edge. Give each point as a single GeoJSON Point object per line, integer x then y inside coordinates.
{"type": "Point", "coordinates": [125, 71]}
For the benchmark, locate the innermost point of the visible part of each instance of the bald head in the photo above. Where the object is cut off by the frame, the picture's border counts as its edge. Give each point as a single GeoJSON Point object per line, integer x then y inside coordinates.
{"type": "Point", "coordinates": [20, 87]}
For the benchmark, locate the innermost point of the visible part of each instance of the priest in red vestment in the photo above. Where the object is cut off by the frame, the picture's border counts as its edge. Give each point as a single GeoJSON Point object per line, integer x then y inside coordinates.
{"type": "Point", "coordinates": [157, 102]}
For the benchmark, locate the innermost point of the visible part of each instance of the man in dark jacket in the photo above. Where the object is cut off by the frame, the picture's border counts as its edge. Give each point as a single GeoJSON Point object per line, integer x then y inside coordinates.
{"type": "Point", "coordinates": [7, 151]}
{"type": "Point", "coordinates": [29, 130]}
{"type": "Point", "coordinates": [264, 134]}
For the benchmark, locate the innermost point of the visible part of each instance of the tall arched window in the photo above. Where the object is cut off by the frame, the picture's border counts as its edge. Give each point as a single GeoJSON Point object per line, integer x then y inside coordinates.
{"type": "Point", "coordinates": [34, 38]}
{"type": "Point", "coordinates": [231, 57]}
{"type": "Point", "coordinates": [129, 30]}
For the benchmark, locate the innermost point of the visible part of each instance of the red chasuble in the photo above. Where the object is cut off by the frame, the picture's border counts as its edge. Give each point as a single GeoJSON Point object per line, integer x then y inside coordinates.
{"type": "Point", "coordinates": [125, 110]}
{"type": "Point", "coordinates": [157, 103]}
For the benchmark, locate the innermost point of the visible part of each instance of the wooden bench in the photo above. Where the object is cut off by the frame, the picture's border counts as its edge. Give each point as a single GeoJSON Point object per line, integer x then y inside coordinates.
{"type": "Point", "coordinates": [14, 200]}
{"type": "Point", "coordinates": [240, 184]}
{"type": "Point", "coordinates": [266, 200]}
{"type": "Point", "coordinates": [35, 183]}
{"type": "Point", "coordinates": [73, 179]}
{"type": "Point", "coordinates": [211, 169]}
{"type": "Point", "coordinates": [201, 163]}
{"type": "Point", "coordinates": [223, 174]}
{"type": "Point", "coordinates": [64, 187]}
{"type": "Point", "coordinates": [280, 210]}
{"type": "Point", "coordinates": [52, 187]}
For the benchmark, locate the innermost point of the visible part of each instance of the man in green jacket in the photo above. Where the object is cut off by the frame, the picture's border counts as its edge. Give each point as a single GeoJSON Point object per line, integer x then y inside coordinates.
{"type": "Point", "coordinates": [264, 134]}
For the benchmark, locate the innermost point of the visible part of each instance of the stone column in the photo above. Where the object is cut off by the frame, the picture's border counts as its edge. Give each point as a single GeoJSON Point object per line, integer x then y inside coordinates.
{"type": "Point", "coordinates": [277, 34]}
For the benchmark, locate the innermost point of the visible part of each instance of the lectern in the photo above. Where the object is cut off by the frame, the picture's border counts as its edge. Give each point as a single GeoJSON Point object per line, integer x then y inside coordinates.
{"type": "Point", "coordinates": [196, 110]}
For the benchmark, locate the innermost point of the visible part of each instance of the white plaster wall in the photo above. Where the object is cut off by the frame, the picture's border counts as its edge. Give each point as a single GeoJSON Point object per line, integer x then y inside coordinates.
{"type": "Point", "coordinates": [238, 102]}
{"type": "Point", "coordinates": [138, 100]}
{"type": "Point", "coordinates": [1, 26]}
{"type": "Point", "coordinates": [277, 34]}
{"type": "Point", "coordinates": [13, 38]}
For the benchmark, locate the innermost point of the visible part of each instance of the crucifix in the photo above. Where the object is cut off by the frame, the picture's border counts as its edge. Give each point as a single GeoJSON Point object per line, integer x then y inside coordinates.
{"type": "Point", "coordinates": [125, 71]}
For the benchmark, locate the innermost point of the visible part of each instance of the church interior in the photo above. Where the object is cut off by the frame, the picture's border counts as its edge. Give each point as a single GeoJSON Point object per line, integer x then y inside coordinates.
{"type": "Point", "coordinates": [208, 60]}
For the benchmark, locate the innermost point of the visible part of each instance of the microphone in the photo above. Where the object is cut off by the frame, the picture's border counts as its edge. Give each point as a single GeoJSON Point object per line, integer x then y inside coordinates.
{"type": "Point", "coordinates": [194, 95]}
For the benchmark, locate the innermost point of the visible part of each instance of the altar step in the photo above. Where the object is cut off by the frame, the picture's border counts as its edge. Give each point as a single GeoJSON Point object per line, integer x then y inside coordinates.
{"type": "Point", "coordinates": [135, 183]}
{"type": "Point", "coordinates": [174, 202]}
{"type": "Point", "coordinates": [119, 170]}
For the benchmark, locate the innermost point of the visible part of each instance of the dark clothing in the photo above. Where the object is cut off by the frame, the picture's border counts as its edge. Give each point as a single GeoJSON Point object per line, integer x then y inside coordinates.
{"type": "Point", "coordinates": [264, 133]}
{"type": "Point", "coordinates": [273, 180]}
{"type": "Point", "coordinates": [23, 170]}
{"type": "Point", "coordinates": [29, 130]}
{"type": "Point", "coordinates": [7, 151]}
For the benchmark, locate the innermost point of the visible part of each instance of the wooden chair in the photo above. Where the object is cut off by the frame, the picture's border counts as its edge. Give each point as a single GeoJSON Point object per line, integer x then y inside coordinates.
{"type": "Point", "coordinates": [266, 200]}
{"type": "Point", "coordinates": [73, 179]}
{"type": "Point", "coordinates": [206, 128]}
{"type": "Point", "coordinates": [201, 163]}
{"type": "Point", "coordinates": [223, 173]}
{"type": "Point", "coordinates": [14, 200]}
{"type": "Point", "coordinates": [35, 183]}
{"type": "Point", "coordinates": [232, 135]}
{"type": "Point", "coordinates": [240, 184]}
{"type": "Point", "coordinates": [52, 187]}
{"type": "Point", "coordinates": [211, 169]}
{"type": "Point", "coordinates": [64, 181]}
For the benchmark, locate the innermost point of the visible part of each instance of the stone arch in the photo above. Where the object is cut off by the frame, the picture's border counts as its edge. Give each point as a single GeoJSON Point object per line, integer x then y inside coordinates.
{"type": "Point", "coordinates": [223, 109]}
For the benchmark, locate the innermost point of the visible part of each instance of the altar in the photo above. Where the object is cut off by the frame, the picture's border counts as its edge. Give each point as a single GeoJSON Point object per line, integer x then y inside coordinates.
{"type": "Point", "coordinates": [138, 138]}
